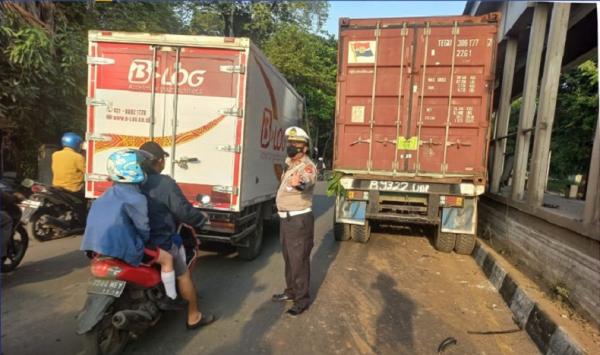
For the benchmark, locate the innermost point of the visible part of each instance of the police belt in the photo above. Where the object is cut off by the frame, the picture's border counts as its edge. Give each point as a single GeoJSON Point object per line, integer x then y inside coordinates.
{"type": "Point", "coordinates": [286, 214]}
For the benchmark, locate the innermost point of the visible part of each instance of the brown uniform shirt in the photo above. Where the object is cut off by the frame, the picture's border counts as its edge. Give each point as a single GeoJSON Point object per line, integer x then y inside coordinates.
{"type": "Point", "coordinates": [290, 198]}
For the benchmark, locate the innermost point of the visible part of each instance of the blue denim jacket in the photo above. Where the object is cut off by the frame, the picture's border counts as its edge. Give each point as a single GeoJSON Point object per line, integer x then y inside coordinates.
{"type": "Point", "coordinates": [117, 224]}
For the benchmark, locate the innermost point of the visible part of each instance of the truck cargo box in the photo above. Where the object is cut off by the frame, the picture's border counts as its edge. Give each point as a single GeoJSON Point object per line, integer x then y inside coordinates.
{"type": "Point", "coordinates": [221, 115]}
{"type": "Point", "coordinates": [414, 96]}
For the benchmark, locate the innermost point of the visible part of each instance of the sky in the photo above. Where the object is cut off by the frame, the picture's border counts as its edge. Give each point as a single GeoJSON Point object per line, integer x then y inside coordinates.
{"type": "Point", "coordinates": [369, 9]}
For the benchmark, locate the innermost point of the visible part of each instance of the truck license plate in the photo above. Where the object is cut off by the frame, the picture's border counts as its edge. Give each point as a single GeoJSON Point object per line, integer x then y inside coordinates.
{"type": "Point", "coordinates": [399, 186]}
{"type": "Point", "coordinates": [106, 287]}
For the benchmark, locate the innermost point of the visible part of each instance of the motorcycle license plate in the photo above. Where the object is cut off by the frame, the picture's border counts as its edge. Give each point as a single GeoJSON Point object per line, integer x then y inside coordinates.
{"type": "Point", "coordinates": [29, 207]}
{"type": "Point", "coordinates": [106, 287]}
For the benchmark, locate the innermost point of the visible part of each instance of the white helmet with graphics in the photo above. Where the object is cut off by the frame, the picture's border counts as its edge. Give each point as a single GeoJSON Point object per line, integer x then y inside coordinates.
{"type": "Point", "coordinates": [297, 134]}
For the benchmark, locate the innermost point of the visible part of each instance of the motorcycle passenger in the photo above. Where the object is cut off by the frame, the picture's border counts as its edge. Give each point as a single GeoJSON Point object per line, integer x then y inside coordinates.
{"type": "Point", "coordinates": [68, 165]}
{"type": "Point", "coordinates": [117, 225]}
{"type": "Point", "coordinates": [167, 207]}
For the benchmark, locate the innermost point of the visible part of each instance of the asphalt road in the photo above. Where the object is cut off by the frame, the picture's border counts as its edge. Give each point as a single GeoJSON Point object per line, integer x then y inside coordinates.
{"type": "Point", "coordinates": [394, 295]}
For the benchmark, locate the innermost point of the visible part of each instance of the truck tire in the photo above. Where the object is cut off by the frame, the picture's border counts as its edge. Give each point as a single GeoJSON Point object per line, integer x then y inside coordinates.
{"type": "Point", "coordinates": [359, 233]}
{"type": "Point", "coordinates": [444, 242]}
{"type": "Point", "coordinates": [465, 243]}
{"type": "Point", "coordinates": [255, 240]}
{"type": "Point", "coordinates": [341, 232]}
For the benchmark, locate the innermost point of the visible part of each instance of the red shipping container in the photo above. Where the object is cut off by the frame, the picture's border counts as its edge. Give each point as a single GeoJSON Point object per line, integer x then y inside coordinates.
{"type": "Point", "coordinates": [414, 97]}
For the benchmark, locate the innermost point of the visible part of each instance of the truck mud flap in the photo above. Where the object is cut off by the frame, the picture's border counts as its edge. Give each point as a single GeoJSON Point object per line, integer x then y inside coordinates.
{"type": "Point", "coordinates": [93, 311]}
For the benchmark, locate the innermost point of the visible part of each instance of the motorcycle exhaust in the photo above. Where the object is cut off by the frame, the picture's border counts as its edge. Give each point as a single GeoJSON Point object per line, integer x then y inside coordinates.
{"type": "Point", "coordinates": [131, 319]}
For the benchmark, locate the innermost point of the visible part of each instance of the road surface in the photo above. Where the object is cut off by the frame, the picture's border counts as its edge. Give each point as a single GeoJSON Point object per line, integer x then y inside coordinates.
{"type": "Point", "coordinates": [394, 295]}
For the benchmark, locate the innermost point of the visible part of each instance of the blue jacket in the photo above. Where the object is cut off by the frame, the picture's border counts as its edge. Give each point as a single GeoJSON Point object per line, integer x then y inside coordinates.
{"type": "Point", "coordinates": [167, 207]}
{"type": "Point", "coordinates": [117, 224]}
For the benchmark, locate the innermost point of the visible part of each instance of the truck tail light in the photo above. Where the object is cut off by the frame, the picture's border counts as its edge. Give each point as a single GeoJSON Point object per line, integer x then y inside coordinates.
{"type": "Point", "coordinates": [357, 195]}
{"type": "Point", "coordinates": [451, 201]}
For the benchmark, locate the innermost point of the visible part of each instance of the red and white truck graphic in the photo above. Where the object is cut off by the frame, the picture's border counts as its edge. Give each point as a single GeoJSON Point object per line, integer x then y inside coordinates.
{"type": "Point", "coordinates": [215, 104]}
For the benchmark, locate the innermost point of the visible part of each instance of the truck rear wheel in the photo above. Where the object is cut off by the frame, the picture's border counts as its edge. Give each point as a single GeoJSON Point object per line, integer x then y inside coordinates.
{"type": "Point", "coordinates": [341, 232]}
{"type": "Point", "coordinates": [255, 239]}
{"type": "Point", "coordinates": [465, 243]}
{"type": "Point", "coordinates": [444, 242]}
{"type": "Point", "coordinates": [359, 233]}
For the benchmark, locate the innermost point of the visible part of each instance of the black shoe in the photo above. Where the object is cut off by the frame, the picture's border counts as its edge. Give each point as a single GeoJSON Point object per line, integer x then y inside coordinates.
{"type": "Point", "coordinates": [296, 310]}
{"type": "Point", "coordinates": [168, 304]}
{"type": "Point", "coordinates": [281, 297]}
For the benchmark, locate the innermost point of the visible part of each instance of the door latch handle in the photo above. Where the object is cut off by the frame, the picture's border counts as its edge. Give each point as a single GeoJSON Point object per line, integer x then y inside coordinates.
{"type": "Point", "coordinates": [184, 161]}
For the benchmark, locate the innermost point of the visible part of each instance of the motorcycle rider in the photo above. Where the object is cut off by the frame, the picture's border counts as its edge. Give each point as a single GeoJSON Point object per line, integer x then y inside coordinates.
{"type": "Point", "coordinates": [168, 207]}
{"type": "Point", "coordinates": [6, 222]}
{"type": "Point", "coordinates": [68, 165]}
{"type": "Point", "coordinates": [117, 225]}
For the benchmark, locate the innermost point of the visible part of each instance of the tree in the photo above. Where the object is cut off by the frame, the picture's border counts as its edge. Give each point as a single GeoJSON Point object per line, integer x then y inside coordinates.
{"type": "Point", "coordinates": [308, 61]}
{"type": "Point", "coordinates": [43, 48]}
{"type": "Point", "coordinates": [257, 20]}
{"type": "Point", "coordinates": [575, 121]}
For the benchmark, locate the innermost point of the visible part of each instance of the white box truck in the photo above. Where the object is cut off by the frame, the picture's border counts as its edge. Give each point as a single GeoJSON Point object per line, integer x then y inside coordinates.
{"type": "Point", "coordinates": [214, 103]}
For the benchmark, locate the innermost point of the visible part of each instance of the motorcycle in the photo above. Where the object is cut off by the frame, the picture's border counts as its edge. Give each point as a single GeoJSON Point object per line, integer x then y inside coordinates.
{"type": "Point", "coordinates": [52, 213]}
{"type": "Point", "coordinates": [123, 300]}
{"type": "Point", "coordinates": [17, 243]}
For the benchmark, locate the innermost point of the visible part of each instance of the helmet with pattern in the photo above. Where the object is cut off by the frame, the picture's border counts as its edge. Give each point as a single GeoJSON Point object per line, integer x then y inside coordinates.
{"type": "Point", "coordinates": [125, 166]}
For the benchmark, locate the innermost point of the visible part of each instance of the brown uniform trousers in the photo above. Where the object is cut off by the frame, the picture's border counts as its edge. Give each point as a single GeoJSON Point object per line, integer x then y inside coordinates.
{"type": "Point", "coordinates": [297, 240]}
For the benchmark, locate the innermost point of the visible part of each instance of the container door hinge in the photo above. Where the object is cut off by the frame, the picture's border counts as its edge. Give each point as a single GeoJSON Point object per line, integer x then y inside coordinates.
{"type": "Point", "coordinates": [230, 148]}
{"type": "Point", "coordinates": [90, 101]}
{"type": "Point", "coordinates": [240, 69]}
{"type": "Point", "coordinates": [232, 111]}
{"type": "Point", "coordinates": [97, 137]}
{"type": "Point", "coordinates": [226, 189]}
{"type": "Point", "coordinates": [97, 177]}
{"type": "Point", "coordinates": [100, 60]}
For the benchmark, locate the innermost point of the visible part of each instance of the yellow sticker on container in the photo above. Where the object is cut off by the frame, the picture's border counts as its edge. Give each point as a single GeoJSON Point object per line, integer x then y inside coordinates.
{"type": "Point", "coordinates": [407, 144]}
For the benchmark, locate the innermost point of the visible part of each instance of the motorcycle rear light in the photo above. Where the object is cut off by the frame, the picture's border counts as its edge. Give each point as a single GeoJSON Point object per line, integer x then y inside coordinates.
{"type": "Point", "coordinates": [105, 271]}
{"type": "Point", "coordinates": [37, 189]}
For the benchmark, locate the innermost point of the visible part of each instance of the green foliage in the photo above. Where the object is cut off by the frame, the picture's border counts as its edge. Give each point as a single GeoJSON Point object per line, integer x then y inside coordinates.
{"type": "Point", "coordinates": [334, 186]}
{"type": "Point", "coordinates": [575, 121]}
{"type": "Point", "coordinates": [308, 61]}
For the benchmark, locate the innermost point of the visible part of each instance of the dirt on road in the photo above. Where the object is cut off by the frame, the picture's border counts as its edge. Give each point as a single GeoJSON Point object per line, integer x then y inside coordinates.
{"type": "Point", "coordinates": [394, 295]}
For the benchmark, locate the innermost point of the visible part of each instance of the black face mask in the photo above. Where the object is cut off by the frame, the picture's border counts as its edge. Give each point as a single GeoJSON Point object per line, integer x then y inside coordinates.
{"type": "Point", "coordinates": [292, 151]}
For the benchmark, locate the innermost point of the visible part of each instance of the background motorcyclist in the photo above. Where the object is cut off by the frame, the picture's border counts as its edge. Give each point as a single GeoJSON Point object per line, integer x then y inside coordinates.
{"type": "Point", "coordinates": [68, 164]}
{"type": "Point", "coordinates": [8, 209]}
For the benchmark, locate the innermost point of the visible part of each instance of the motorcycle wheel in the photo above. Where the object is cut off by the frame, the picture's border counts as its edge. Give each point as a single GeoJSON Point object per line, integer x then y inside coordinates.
{"type": "Point", "coordinates": [105, 339]}
{"type": "Point", "coordinates": [15, 250]}
{"type": "Point", "coordinates": [40, 232]}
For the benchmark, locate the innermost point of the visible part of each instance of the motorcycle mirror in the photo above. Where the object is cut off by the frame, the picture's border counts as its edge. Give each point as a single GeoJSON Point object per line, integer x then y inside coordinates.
{"type": "Point", "coordinates": [28, 183]}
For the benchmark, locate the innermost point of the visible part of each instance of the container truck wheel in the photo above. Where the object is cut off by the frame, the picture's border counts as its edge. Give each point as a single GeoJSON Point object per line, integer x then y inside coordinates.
{"type": "Point", "coordinates": [359, 233]}
{"type": "Point", "coordinates": [444, 242]}
{"type": "Point", "coordinates": [341, 232]}
{"type": "Point", "coordinates": [255, 240]}
{"type": "Point", "coordinates": [465, 243]}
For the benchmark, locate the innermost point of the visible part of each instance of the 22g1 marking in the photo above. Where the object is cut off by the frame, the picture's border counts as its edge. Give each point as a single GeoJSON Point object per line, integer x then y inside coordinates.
{"type": "Point", "coordinates": [399, 186]}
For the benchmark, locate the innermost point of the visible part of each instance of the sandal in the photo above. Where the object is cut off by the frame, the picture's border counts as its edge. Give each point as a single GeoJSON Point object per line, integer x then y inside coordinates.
{"type": "Point", "coordinates": [205, 320]}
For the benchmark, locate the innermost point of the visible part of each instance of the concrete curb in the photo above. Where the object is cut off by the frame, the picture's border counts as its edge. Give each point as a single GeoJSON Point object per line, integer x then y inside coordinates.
{"type": "Point", "coordinates": [550, 338]}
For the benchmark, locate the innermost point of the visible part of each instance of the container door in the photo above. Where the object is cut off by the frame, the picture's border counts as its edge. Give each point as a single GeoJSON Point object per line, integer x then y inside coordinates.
{"type": "Point", "coordinates": [450, 99]}
{"type": "Point", "coordinates": [201, 117]}
{"type": "Point", "coordinates": [119, 105]}
{"type": "Point", "coordinates": [375, 86]}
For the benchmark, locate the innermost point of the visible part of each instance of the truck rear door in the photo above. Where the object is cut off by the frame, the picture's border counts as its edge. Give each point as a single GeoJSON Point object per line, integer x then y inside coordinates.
{"type": "Point", "coordinates": [136, 94]}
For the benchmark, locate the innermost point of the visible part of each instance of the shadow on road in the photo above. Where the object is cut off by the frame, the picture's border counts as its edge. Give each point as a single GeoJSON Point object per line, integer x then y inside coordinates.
{"type": "Point", "coordinates": [394, 325]}
{"type": "Point", "coordinates": [44, 270]}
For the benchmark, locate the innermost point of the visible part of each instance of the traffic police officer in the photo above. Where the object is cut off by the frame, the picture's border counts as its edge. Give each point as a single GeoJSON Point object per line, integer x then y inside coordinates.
{"type": "Point", "coordinates": [294, 203]}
